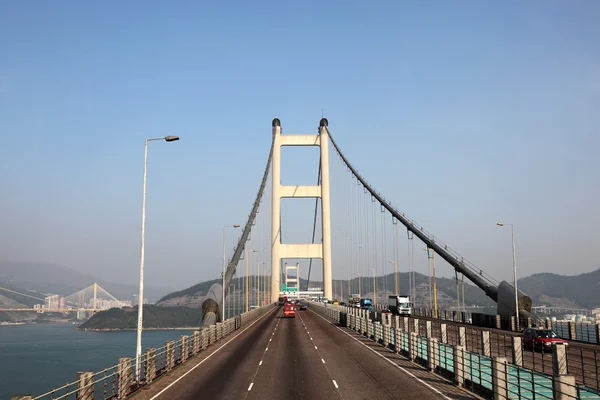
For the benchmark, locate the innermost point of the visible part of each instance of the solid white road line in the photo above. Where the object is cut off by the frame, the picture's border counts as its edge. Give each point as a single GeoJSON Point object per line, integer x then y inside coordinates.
{"type": "Point", "coordinates": [388, 360]}
{"type": "Point", "coordinates": [209, 356]}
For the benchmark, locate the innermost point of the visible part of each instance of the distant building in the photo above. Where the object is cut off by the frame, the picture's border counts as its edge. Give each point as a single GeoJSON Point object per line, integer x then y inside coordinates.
{"type": "Point", "coordinates": [51, 302]}
{"type": "Point", "coordinates": [62, 303]}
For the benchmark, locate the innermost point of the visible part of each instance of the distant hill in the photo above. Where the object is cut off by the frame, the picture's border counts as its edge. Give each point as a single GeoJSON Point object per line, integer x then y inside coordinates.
{"type": "Point", "coordinates": [194, 295]}
{"type": "Point", "coordinates": [46, 278]}
{"type": "Point", "coordinates": [10, 299]}
{"type": "Point", "coordinates": [154, 317]}
{"type": "Point", "coordinates": [577, 291]}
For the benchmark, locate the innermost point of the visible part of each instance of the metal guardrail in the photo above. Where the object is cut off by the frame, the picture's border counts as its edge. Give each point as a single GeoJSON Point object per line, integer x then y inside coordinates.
{"type": "Point", "coordinates": [119, 381]}
{"type": "Point", "coordinates": [491, 364]}
{"type": "Point", "coordinates": [584, 332]}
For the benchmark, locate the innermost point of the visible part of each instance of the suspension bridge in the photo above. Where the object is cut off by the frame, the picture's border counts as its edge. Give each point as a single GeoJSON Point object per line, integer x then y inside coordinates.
{"type": "Point", "coordinates": [331, 351]}
{"type": "Point", "coordinates": [92, 298]}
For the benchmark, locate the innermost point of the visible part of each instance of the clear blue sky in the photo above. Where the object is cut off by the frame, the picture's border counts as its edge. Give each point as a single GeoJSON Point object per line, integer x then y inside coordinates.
{"type": "Point", "coordinates": [462, 113]}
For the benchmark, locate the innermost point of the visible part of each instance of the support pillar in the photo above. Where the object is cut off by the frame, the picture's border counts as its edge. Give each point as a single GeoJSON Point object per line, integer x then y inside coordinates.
{"type": "Point", "coordinates": [276, 212]}
{"type": "Point", "coordinates": [325, 208]}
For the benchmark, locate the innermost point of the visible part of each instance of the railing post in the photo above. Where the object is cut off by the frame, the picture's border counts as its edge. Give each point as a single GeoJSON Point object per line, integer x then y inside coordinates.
{"type": "Point", "coordinates": [498, 322]}
{"type": "Point", "coordinates": [563, 385]}
{"type": "Point", "coordinates": [170, 355]}
{"type": "Point", "coordinates": [150, 365]}
{"type": "Point", "coordinates": [513, 323]}
{"type": "Point", "coordinates": [213, 334]}
{"type": "Point", "coordinates": [413, 343]}
{"type": "Point", "coordinates": [428, 329]}
{"type": "Point", "coordinates": [416, 325]}
{"type": "Point", "coordinates": [443, 333]}
{"type": "Point", "coordinates": [572, 331]}
{"type": "Point", "coordinates": [485, 343]}
{"type": "Point", "coordinates": [500, 378]}
{"type": "Point", "coordinates": [462, 338]}
{"type": "Point", "coordinates": [85, 386]}
{"type": "Point", "coordinates": [459, 365]}
{"type": "Point", "coordinates": [432, 353]}
{"type": "Point", "coordinates": [598, 333]}
{"type": "Point", "coordinates": [22, 397]}
{"type": "Point", "coordinates": [205, 338]}
{"type": "Point", "coordinates": [517, 350]}
{"type": "Point", "coordinates": [125, 377]}
{"type": "Point", "coordinates": [185, 348]}
{"type": "Point", "coordinates": [196, 342]}
{"type": "Point", "coordinates": [219, 331]}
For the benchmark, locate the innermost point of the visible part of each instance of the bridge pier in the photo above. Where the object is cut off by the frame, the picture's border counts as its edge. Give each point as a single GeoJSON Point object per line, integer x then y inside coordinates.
{"type": "Point", "coordinates": [280, 251]}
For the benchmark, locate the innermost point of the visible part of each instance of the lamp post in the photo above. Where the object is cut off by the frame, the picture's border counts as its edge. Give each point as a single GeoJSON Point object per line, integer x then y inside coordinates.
{"type": "Point", "coordinates": [267, 272]}
{"type": "Point", "coordinates": [224, 266]}
{"type": "Point", "coordinates": [246, 257]}
{"type": "Point", "coordinates": [429, 272]}
{"type": "Point", "coordinates": [374, 285]}
{"type": "Point", "coordinates": [512, 226]}
{"type": "Point", "coordinates": [138, 347]}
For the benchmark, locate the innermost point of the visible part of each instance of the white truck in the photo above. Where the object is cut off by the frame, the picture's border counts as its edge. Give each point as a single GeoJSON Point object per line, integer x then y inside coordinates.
{"type": "Point", "coordinates": [354, 300]}
{"type": "Point", "coordinates": [400, 305]}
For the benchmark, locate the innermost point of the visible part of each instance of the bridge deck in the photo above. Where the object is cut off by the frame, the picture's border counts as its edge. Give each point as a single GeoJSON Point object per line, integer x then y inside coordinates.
{"type": "Point", "coordinates": [306, 357]}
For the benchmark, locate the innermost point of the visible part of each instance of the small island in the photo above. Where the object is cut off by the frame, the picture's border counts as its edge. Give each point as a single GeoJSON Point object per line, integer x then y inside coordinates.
{"type": "Point", "coordinates": [155, 317]}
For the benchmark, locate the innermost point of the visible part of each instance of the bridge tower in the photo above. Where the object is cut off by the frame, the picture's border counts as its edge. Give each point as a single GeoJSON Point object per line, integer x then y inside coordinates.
{"type": "Point", "coordinates": [280, 251]}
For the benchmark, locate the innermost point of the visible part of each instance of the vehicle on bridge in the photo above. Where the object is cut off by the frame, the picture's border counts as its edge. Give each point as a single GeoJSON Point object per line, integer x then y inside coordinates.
{"type": "Point", "coordinates": [289, 310]}
{"type": "Point", "coordinates": [541, 338]}
{"type": "Point", "coordinates": [354, 300]}
{"type": "Point", "coordinates": [366, 304]}
{"type": "Point", "coordinates": [400, 305]}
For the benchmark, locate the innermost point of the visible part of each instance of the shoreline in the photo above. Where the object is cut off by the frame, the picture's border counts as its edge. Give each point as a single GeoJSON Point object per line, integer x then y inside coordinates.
{"type": "Point", "coordinates": [183, 328]}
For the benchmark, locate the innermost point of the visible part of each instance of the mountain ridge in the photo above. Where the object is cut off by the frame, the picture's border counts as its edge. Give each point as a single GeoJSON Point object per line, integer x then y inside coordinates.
{"type": "Point", "coordinates": [50, 278]}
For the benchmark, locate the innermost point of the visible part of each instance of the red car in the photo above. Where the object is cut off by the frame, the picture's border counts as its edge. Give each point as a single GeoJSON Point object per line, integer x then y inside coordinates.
{"type": "Point", "coordinates": [541, 338]}
{"type": "Point", "coordinates": [289, 311]}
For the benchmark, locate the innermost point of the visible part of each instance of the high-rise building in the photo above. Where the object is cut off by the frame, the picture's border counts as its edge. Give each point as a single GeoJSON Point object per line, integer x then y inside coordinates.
{"type": "Point", "coordinates": [62, 303]}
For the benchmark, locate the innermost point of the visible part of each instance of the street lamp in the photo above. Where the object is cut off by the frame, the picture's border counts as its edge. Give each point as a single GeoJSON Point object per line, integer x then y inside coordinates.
{"type": "Point", "coordinates": [429, 272]}
{"type": "Point", "coordinates": [514, 270]}
{"type": "Point", "coordinates": [246, 257]}
{"type": "Point", "coordinates": [267, 272]}
{"type": "Point", "coordinates": [224, 266]}
{"type": "Point", "coordinates": [374, 285]}
{"type": "Point", "coordinates": [138, 347]}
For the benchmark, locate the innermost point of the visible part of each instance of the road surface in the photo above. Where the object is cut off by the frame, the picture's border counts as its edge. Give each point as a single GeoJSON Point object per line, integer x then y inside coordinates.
{"type": "Point", "coordinates": [306, 357]}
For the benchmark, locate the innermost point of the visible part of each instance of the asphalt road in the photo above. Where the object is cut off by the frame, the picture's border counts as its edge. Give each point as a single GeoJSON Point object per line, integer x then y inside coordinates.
{"type": "Point", "coordinates": [306, 357]}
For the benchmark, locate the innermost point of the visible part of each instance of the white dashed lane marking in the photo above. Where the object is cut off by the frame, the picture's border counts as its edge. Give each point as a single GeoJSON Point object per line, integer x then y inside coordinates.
{"type": "Point", "coordinates": [322, 359]}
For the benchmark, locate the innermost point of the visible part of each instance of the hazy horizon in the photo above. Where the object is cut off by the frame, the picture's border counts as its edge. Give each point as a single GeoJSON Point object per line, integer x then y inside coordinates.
{"type": "Point", "coordinates": [462, 115]}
